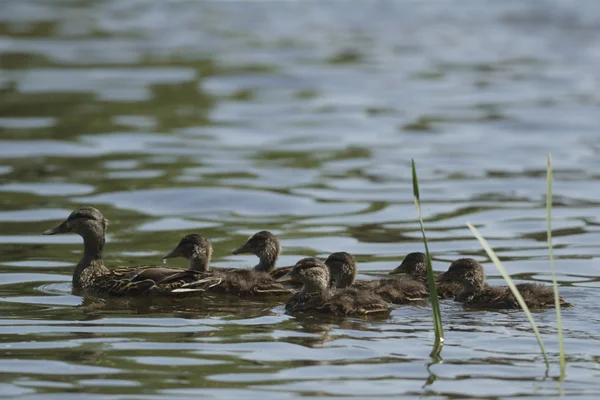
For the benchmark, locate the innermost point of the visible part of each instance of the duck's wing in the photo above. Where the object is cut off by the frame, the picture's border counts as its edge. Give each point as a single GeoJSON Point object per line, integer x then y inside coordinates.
{"type": "Point", "coordinates": [159, 274]}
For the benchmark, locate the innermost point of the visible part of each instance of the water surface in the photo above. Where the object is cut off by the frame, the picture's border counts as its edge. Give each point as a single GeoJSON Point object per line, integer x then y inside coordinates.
{"type": "Point", "coordinates": [225, 118]}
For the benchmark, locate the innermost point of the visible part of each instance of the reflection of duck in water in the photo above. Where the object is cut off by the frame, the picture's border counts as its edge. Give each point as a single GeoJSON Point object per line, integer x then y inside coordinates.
{"type": "Point", "coordinates": [342, 267]}
{"type": "Point", "coordinates": [316, 295]}
{"type": "Point", "coordinates": [91, 275]}
{"type": "Point", "coordinates": [415, 266]}
{"type": "Point", "coordinates": [266, 247]}
{"type": "Point", "coordinates": [198, 250]}
{"type": "Point", "coordinates": [468, 273]}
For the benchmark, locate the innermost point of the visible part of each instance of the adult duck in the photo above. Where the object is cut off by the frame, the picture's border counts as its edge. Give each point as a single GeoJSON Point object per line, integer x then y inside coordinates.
{"type": "Point", "coordinates": [92, 276]}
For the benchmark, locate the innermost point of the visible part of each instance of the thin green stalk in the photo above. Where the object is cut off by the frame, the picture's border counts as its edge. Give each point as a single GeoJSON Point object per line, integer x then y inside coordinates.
{"type": "Point", "coordinates": [561, 343]}
{"type": "Point", "coordinates": [492, 255]}
{"type": "Point", "coordinates": [433, 296]}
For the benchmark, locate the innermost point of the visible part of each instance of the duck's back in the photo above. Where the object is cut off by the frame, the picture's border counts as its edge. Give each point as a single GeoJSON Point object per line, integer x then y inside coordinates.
{"type": "Point", "coordinates": [496, 297]}
{"type": "Point", "coordinates": [247, 282]}
{"type": "Point", "coordinates": [353, 301]}
{"type": "Point", "coordinates": [395, 291]}
{"type": "Point", "coordinates": [305, 302]}
{"type": "Point", "coordinates": [539, 296]}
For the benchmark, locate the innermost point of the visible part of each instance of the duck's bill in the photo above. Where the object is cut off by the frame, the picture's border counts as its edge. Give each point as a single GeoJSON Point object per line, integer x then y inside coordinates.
{"type": "Point", "coordinates": [285, 278]}
{"type": "Point", "coordinates": [241, 250]}
{"type": "Point", "coordinates": [176, 252]}
{"type": "Point", "coordinates": [62, 228]}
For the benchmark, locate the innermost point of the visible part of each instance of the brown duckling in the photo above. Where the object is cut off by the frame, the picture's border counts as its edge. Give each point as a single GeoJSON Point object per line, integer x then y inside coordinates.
{"type": "Point", "coordinates": [468, 273]}
{"type": "Point", "coordinates": [266, 247]}
{"type": "Point", "coordinates": [198, 252]}
{"type": "Point", "coordinates": [316, 294]}
{"type": "Point", "coordinates": [415, 266]}
{"type": "Point", "coordinates": [342, 268]}
{"type": "Point", "coordinates": [91, 275]}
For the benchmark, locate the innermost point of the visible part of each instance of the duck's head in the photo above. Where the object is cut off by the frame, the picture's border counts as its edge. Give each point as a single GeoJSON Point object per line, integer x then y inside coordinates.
{"type": "Point", "coordinates": [414, 264]}
{"type": "Point", "coordinates": [311, 272]}
{"type": "Point", "coordinates": [196, 249]}
{"type": "Point", "coordinates": [342, 269]}
{"type": "Point", "coordinates": [85, 221]}
{"type": "Point", "coordinates": [265, 246]}
{"type": "Point", "coordinates": [466, 272]}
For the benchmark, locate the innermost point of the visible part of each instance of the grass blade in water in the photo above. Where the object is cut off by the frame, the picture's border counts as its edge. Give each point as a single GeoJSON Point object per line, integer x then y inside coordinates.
{"type": "Point", "coordinates": [512, 287]}
{"type": "Point", "coordinates": [561, 344]}
{"type": "Point", "coordinates": [433, 296]}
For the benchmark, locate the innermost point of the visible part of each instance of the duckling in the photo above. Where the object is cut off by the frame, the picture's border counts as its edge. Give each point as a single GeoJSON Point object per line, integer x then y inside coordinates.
{"type": "Point", "coordinates": [198, 252]}
{"type": "Point", "coordinates": [92, 276]}
{"type": "Point", "coordinates": [468, 273]}
{"type": "Point", "coordinates": [266, 247]}
{"type": "Point", "coordinates": [415, 266]}
{"type": "Point", "coordinates": [316, 294]}
{"type": "Point", "coordinates": [342, 268]}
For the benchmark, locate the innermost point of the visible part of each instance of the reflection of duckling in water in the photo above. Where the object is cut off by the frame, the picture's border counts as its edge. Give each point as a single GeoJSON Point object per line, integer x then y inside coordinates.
{"type": "Point", "coordinates": [468, 273]}
{"type": "Point", "coordinates": [92, 276]}
{"type": "Point", "coordinates": [415, 266]}
{"type": "Point", "coordinates": [316, 295]}
{"type": "Point", "coordinates": [198, 251]}
{"type": "Point", "coordinates": [266, 247]}
{"type": "Point", "coordinates": [342, 267]}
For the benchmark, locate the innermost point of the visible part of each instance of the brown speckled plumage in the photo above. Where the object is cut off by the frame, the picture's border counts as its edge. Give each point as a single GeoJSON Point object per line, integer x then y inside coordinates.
{"type": "Point", "coordinates": [475, 292]}
{"type": "Point", "coordinates": [414, 265]}
{"type": "Point", "coordinates": [342, 267]}
{"type": "Point", "coordinates": [92, 276]}
{"type": "Point", "coordinates": [241, 282]}
{"type": "Point", "coordinates": [266, 247]}
{"type": "Point", "coordinates": [316, 295]}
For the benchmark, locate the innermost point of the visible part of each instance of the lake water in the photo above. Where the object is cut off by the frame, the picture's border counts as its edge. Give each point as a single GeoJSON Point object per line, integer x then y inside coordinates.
{"type": "Point", "coordinates": [225, 118]}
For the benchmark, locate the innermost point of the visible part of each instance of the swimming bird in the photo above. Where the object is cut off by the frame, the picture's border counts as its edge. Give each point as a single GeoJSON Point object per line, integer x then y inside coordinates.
{"type": "Point", "coordinates": [468, 273]}
{"type": "Point", "coordinates": [266, 247]}
{"type": "Point", "coordinates": [239, 281]}
{"type": "Point", "coordinates": [415, 266]}
{"type": "Point", "coordinates": [342, 267]}
{"type": "Point", "coordinates": [92, 276]}
{"type": "Point", "coordinates": [317, 295]}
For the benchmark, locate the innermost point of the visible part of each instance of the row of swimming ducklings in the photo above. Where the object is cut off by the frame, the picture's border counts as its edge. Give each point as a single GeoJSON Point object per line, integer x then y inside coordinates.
{"type": "Point", "coordinates": [328, 286]}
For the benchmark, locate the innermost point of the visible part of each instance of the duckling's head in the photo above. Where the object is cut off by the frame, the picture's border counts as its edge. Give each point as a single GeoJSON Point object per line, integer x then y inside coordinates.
{"type": "Point", "coordinates": [265, 246]}
{"type": "Point", "coordinates": [342, 269]}
{"type": "Point", "coordinates": [86, 221]}
{"type": "Point", "coordinates": [466, 272]}
{"type": "Point", "coordinates": [414, 264]}
{"type": "Point", "coordinates": [196, 249]}
{"type": "Point", "coordinates": [313, 273]}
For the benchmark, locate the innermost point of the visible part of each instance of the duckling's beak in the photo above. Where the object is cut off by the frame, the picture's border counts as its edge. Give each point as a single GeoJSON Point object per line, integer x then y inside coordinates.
{"type": "Point", "coordinates": [176, 252]}
{"type": "Point", "coordinates": [241, 250]}
{"type": "Point", "coordinates": [62, 228]}
{"type": "Point", "coordinates": [285, 278]}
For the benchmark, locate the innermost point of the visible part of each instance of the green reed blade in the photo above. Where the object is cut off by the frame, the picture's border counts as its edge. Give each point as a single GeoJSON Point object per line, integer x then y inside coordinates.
{"type": "Point", "coordinates": [433, 296]}
{"type": "Point", "coordinates": [492, 255]}
{"type": "Point", "coordinates": [561, 343]}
